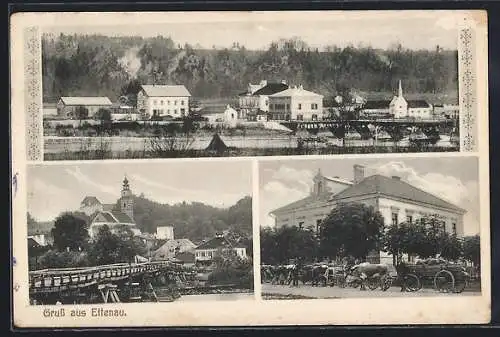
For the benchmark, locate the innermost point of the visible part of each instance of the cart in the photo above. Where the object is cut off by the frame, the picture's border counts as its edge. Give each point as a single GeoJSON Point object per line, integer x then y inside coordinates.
{"type": "Point", "coordinates": [444, 276]}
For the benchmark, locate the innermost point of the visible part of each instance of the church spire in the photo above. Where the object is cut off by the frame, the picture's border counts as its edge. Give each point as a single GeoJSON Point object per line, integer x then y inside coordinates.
{"type": "Point", "coordinates": [400, 90]}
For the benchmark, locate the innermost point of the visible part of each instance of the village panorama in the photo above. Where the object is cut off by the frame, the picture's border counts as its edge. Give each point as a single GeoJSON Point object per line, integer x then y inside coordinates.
{"type": "Point", "coordinates": [110, 97]}
{"type": "Point", "coordinates": [135, 249]}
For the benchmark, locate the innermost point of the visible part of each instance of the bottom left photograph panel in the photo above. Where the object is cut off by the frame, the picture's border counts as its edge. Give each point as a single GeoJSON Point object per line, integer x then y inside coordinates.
{"type": "Point", "coordinates": [139, 232]}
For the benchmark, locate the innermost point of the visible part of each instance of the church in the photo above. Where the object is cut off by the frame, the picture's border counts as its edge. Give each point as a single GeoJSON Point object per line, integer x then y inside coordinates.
{"type": "Point", "coordinates": [396, 200]}
{"type": "Point", "coordinates": [114, 216]}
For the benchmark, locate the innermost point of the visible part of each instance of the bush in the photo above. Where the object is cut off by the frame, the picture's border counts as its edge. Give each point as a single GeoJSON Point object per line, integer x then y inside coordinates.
{"type": "Point", "coordinates": [56, 259]}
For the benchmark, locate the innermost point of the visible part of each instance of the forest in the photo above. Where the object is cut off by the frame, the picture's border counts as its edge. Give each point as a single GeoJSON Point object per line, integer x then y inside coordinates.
{"type": "Point", "coordinates": [97, 65]}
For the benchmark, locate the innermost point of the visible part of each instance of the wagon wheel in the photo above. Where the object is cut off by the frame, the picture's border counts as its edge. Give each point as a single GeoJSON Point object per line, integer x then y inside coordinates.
{"type": "Point", "coordinates": [461, 283]}
{"type": "Point", "coordinates": [386, 283]}
{"type": "Point", "coordinates": [412, 283]}
{"type": "Point", "coordinates": [373, 283]}
{"type": "Point", "coordinates": [444, 281]}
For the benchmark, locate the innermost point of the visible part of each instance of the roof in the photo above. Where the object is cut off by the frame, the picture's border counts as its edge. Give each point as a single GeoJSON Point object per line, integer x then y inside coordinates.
{"type": "Point", "coordinates": [86, 100]}
{"type": "Point", "coordinates": [90, 200]}
{"type": "Point", "coordinates": [108, 207]}
{"type": "Point", "coordinates": [295, 92]}
{"type": "Point", "coordinates": [215, 243]}
{"type": "Point", "coordinates": [116, 217]}
{"type": "Point", "coordinates": [216, 144]}
{"type": "Point", "coordinates": [166, 90]}
{"type": "Point", "coordinates": [271, 88]}
{"type": "Point", "coordinates": [310, 200]}
{"type": "Point", "coordinates": [397, 188]}
{"type": "Point", "coordinates": [186, 257]}
{"type": "Point", "coordinates": [338, 180]}
{"type": "Point", "coordinates": [418, 104]}
{"type": "Point", "coordinates": [33, 243]}
{"type": "Point", "coordinates": [378, 104]}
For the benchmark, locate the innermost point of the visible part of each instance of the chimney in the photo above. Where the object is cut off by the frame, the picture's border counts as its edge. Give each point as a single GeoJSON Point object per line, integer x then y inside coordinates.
{"type": "Point", "coordinates": [359, 173]}
{"type": "Point", "coordinates": [396, 177]}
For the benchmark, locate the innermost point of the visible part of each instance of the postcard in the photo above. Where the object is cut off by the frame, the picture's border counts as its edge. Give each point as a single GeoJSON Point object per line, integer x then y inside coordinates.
{"type": "Point", "coordinates": [250, 168]}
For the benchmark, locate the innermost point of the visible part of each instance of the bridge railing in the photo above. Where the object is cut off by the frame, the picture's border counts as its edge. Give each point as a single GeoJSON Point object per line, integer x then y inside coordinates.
{"type": "Point", "coordinates": [50, 280]}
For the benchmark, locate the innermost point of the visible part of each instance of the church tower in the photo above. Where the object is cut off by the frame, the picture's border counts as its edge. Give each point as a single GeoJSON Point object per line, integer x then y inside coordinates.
{"type": "Point", "coordinates": [319, 184]}
{"type": "Point", "coordinates": [400, 89]}
{"type": "Point", "coordinates": [127, 199]}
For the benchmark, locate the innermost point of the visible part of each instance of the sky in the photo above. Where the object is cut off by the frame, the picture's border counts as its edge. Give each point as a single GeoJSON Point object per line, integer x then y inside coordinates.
{"type": "Point", "coordinates": [454, 179]}
{"type": "Point", "coordinates": [53, 189]}
{"type": "Point", "coordinates": [256, 30]}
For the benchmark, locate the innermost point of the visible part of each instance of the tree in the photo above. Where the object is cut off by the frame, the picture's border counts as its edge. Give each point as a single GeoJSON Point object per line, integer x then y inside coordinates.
{"type": "Point", "coordinates": [105, 248]}
{"type": "Point", "coordinates": [70, 232]}
{"type": "Point", "coordinates": [81, 113]}
{"type": "Point", "coordinates": [452, 248]}
{"type": "Point", "coordinates": [130, 90]}
{"type": "Point", "coordinates": [285, 243]}
{"type": "Point", "coordinates": [351, 230]}
{"type": "Point", "coordinates": [104, 115]}
{"type": "Point", "coordinates": [472, 249]}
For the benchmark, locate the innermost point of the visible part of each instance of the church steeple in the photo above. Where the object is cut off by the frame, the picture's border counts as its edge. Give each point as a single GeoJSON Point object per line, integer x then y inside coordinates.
{"type": "Point", "coordinates": [127, 199]}
{"type": "Point", "coordinates": [400, 90]}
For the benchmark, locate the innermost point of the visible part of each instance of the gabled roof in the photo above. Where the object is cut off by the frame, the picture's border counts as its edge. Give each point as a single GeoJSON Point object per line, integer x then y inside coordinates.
{"type": "Point", "coordinates": [108, 207]}
{"type": "Point", "coordinates": [308, 201]}
{"type": "Point", "coordinates": [270, 89]}
{"type": "Point", "coordinates": [89, 201]}
{"type": "Point", "coordinates": [115, 217]}
{"type": "Point", "coordinates": [378, 104]}
{"type": "Point", "coordinates": [396, 188]}
{"type": "Point", "coordinates": [166, 90]}
{"type": "Point", "coordinates": [33, 243]}
{"type": "Point", "coordinates": [215, 243]}
{"type": "Point", "coordinates": [295, 92]}
{"type": "Point", "coordinates": [86, 100]}
{"type": "Point", "coordinates": [418, 104]}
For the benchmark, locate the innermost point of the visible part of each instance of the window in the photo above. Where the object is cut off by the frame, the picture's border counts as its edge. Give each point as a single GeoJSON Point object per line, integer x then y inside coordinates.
{"type": "Point", "coordinates": [161, 102]}
{"type": "Point", "coordinates": [314, 106]}
{"type": "Point", "coordinates": [454, 228]}
{"type": "Point", "coordinates": [175, 102]}
{"type": "Point", "coordinates": [300, 117]}
{"type": "Point", "coordinates": [301, 225]}
{"type": "Point", "coordinates": [409, 219]}
{"type": "Point", "coordinates": [300, 106]}
{"type": "Point", "coordinates": [182, 102]}
{"type": "Point", "coordinates": [318, 225]}
{"type": "Point", "coordinates": [288, 107]}
{"type": "Point", "coordinates": [314, 117]}
{"type": "Point", "coordinates": [394, 218]}
{"type": "Point", "coordinates": [168, 102]}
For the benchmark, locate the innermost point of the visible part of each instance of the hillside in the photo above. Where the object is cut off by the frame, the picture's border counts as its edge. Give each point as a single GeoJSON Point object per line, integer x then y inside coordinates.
{"type": "Point", "coordinates": [112, 66]}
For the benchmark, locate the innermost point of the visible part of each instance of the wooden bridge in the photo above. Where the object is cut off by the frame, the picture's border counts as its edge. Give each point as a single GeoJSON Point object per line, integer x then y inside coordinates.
{"type": "Point", "coordinates": [72, 284]}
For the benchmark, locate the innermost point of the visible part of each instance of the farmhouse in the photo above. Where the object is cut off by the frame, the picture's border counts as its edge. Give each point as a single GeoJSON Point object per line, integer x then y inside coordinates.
{"type": "Point", "coordinates": [395, 199]}
{"type": "Point", "coordinates": [163, 101]}
{"type": "Point", "coordinates": [67, 107]}
{"type": "Point", "coordinates": [296, 104]}
{"type": "Point", "coordinates": [173, 247]}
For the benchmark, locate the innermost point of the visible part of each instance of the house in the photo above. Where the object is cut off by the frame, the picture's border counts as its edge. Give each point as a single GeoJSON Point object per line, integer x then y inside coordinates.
{"type": "Point", "coordinates": [163, 101]}
{"type": "Point", "coordinates": [186, 258]}
{"type": "Point", "coordinates": [206, 252]}
{"type": "Point", "coordinates": [255, 105]}
{"type": "Point", "coordinates": [123, 112]}
{"type": "Point", "coordinates": [173, 247]}
{"type": "Point", "coordinates": [165, 232]}
{"type": "Point", "coordinates": [41, 233]}
{"type": "Point", "coordinates": [119, 219]}
{"type": "Point", "coordinates": [376, 109]}
{"type": "Point", "coordinates": [67, 106]}
{"type": "Point", "coordinates": [450, 111]}
{"type": "Point", "coordinates": [296, 104]}
{"type": "Point", "coordinates": [395, 199]}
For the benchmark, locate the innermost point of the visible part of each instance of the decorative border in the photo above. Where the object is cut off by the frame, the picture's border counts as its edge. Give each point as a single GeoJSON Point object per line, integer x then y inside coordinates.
{"type": "Point", "coordinates": [33, 94]}
{"type": "Point", "coordinates": [467, 90]}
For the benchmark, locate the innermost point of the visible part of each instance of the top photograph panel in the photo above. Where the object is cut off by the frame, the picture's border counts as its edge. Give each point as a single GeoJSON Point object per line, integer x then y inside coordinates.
{"type": "Point", "coordinates": [331, 83]}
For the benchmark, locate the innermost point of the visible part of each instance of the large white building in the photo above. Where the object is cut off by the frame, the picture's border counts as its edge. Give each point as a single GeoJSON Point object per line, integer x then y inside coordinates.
{"type": "Point", "coordinates": [399, 107]}
{"type": "Point", "coordinates": [165, 232]}
{"type": "Point", "coordinates": [395, 199]}
{"type": "Point", "coordinates": [207, 251]}
{"type": "Point", "coordinates": [67, 106]}
{"type": "Point", "coordinates": [296, 104]}
{"type": "Point", "coordinates": [163, 101]}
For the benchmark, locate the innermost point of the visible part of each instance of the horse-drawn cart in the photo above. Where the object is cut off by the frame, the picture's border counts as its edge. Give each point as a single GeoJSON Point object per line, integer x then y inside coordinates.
{"type": "Point", "coordinates": [444, 276]}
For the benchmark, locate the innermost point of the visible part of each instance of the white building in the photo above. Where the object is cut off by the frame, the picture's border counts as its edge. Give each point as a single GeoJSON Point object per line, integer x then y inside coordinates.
{"type": "Point", "coordinates": [173, 247]}
{"type": "Point", "coordinates": [163, 101]}
{"type": "Point", "coordinates": [395, 199]}
{"type": "Point", "coordinates": [254, 104]}
{"type": "Point", "coordinates": [207, 251]}
{"type": "Point", "coordinates": [296, 104]}
{"type": "Point", "coordinates": [165, 232]}
{"type": "Point", "coordinates": [399, 107]}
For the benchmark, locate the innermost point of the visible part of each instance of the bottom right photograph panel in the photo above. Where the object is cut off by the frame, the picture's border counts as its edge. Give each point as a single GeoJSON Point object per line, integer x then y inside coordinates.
{"type": "Point", "coordinates": [378, 227]}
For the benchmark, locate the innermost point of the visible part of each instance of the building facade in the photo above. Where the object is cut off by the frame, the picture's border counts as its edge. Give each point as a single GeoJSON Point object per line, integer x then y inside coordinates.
{"type": "Point", "coordinates": [165, 232]}
{"type": "Point", "coordinates": [417, 109]}
{"type": "Point", "coordinates": [396, 200]}
{"type": "Point", "coordinates": [173, 247]}
{"type": "Point", "coordinates": [296, 104]}
{"type": "Point", "coordinates": [120, 219]}
{"type": "Point", "coordinates": [67, 107]}
{"type": "Point", "coordinates": [163, 100]}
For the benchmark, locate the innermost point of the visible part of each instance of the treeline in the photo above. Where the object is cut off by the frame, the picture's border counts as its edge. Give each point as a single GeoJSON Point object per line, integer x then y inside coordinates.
{"type": "Point", "coordinates": [95, 65]}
